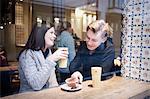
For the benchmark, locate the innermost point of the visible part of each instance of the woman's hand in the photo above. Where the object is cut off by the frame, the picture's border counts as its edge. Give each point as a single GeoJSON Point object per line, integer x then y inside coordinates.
{"type": "Point", "coordinates": [59, 54]}
{"type": "Point", "coordinates": [78, 76]}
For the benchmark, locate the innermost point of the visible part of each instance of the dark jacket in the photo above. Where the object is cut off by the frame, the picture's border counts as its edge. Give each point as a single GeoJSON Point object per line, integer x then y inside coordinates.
{"type": "Point", "coordinates": [103, 56]}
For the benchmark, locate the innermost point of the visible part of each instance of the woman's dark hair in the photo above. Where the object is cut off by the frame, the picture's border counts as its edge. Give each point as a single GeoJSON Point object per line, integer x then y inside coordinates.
{"type": "Point", "coordinates": [36, 39]}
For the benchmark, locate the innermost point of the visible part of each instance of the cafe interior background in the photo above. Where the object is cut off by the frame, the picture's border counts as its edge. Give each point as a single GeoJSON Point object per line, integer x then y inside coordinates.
{"type": "Point", "coordinates": [18, 16]}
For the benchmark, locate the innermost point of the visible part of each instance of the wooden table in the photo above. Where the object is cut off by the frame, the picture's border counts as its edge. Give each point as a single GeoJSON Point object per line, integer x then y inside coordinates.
{"type": "Point", "coordinates": [8, 68]}
{"type": "Point", "coordinates": [114, 88]}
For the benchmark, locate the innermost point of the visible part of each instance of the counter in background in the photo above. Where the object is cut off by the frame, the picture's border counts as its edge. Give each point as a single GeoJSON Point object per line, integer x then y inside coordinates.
{"type": "Point", "coordinates": [9, 83]}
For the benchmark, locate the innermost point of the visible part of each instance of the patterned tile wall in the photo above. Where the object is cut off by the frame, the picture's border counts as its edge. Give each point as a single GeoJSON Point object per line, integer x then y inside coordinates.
{"type": "Point", "coordinates": [136, 40]}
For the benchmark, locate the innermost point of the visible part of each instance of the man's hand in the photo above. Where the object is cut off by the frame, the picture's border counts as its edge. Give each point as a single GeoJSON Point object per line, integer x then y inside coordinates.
{"type": "Point", "coordinates": [117, 61]}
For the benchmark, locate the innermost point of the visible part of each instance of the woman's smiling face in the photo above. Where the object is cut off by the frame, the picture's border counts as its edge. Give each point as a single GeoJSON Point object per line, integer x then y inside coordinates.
{"type": "Point", "coordinates": [50, 36]}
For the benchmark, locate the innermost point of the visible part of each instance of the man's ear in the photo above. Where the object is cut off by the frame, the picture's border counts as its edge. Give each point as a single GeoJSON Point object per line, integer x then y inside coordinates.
{"type": "Point", "coordinates": [105, 28]}
{"type": "Point", "coordinates": [104, 36]}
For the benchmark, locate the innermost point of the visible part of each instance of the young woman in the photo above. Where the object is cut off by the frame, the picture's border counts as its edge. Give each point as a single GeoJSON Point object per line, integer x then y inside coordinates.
{"type": "Point", "coordinates": [36, 62]}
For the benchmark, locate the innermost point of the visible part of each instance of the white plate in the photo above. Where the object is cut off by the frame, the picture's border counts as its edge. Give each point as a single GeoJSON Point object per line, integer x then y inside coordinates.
{"type": "Point", "coordinates": [67, 88]}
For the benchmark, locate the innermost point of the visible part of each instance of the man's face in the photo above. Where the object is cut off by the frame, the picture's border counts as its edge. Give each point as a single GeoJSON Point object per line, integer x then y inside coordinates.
{"type": "Point", "coordinates": [93, 40]}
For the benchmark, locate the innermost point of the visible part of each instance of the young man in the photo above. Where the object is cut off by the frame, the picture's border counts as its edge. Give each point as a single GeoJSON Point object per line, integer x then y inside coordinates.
{"type": "Point", "coordinates": [97, 50]}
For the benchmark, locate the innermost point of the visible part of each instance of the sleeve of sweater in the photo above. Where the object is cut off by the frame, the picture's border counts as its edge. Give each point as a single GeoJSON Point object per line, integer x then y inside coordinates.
{"type": "Point", "coordinates": [36, 77]}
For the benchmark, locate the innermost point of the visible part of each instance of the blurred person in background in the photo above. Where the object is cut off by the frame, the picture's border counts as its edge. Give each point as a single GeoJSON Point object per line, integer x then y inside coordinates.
{"type": "Point", "coordinates": [65, 39]}
{"type": "Point", "coordinates": [3, 57]}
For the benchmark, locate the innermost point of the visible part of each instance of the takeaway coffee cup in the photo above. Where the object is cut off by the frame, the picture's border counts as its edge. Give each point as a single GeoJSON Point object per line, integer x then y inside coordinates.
{"type": "Point", "coordinates": [63, 62]}
{"type": "Point", "coordinates": [96, 76]}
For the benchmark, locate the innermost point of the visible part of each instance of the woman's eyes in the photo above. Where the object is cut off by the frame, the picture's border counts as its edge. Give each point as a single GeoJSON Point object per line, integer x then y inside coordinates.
{"type": "Point", "coordinates": [52, 32]}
